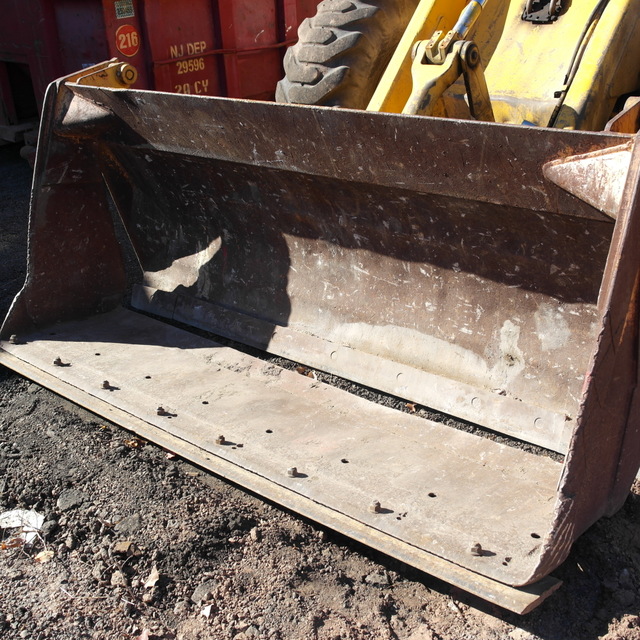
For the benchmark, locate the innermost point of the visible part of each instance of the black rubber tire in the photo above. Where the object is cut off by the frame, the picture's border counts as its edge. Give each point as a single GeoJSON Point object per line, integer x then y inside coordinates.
{"type": "Point", "coordinates": [342, 52]}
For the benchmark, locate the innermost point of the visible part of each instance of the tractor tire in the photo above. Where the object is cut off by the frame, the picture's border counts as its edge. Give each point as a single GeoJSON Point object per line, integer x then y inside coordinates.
{"type": "Point", "coordinates": [342, 52]}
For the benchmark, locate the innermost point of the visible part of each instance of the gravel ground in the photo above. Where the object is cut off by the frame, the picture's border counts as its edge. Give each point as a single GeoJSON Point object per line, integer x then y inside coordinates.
{"type": "Point", "coordinates": [139, 544]}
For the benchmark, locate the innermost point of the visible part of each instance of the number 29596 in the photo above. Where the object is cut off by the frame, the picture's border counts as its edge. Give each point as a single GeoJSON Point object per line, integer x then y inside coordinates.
{"type": "Point", "coordinates": [189, 66]}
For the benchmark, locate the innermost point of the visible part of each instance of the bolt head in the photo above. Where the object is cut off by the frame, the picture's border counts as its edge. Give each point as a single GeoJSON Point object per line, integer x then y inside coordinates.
{"type": "Point", "coordinates": [126, 73]}
{"type": "Point", "coordinates": [220, 440]}
{"type": "Point", "coordinates": [292, 472]}
{"type": "Point", "coordinates": [374, 507]}
{"type": "Point", "coordinates": [476, 549]}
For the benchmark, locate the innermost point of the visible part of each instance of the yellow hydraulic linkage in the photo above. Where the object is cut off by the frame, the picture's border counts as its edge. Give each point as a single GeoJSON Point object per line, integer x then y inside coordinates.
{"type": "Point", "coordinates": [113, 74]}
{"type": "Point", "coordinates": [439, 62]}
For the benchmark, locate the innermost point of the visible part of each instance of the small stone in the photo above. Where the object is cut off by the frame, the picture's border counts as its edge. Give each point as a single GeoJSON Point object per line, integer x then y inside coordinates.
{"type": "Point", "coordinates": [71, 542]}
{"type": "Point", "coordinates": [203, 592]}
{"type": "Point", "coordinates": [625, 597]}
{"type": "Point", "coordinates": [378, 579]}
{"type": "Point", "coordinates": [127, 607]}
{"type": "Point", "coordinates": [182, 608]}
{"type": "Point", "coordinates": [128, 526]}
{"type": "Point", "coordinates": [118, 579]}
{"type": "Point", "coordinates": [98, 571]}
{"type": "Point", "coordinates": [255, 534]}
{"type": "Point", "coordinates": [124, 548]}
{"type": "Point", "coordinates": [48, 528]}
{"type": "Point", "coordinates": [148, 597]}
{"type": "Point", "coordinates": [171, 471]}
{"type": "Point", "coordinates": [103, 553]}
{"type": "Point", "coordinates": [70, 499]}
{"type": "Point", "coordinates": [625, 579]}
{"type": "Point", "coordinates": [24, 634]}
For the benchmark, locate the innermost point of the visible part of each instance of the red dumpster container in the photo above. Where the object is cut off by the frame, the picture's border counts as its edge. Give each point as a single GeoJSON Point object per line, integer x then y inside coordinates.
{"type": "Point", "coordinates": [228, 47]}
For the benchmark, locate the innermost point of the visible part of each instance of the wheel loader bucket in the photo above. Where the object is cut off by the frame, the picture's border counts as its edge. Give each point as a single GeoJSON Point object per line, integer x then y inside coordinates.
{"type": "Point", "coordinates": [485, 271]}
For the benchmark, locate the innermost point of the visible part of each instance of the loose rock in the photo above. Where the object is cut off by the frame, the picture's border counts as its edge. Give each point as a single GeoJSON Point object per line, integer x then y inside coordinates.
{"type": "Point", "coordinates": [48, 528]}
{"type": "Point", "coordinates": [128, 526]}
{"type": "Point", "coordinates": [118, 579]}
{"type": "Point", "coordinates": [70, 499]}
{"type": "Point", "coordinates": [124, 548]}
{"type": "Point", "coordinates": [625, 597]}
{"type": "Point", "coordinates": [378, 579]}
{"type": "Point", "coordinates": [255, 534]}
{"type": "Point", "coordinates": [181, 608]}
{"type": "Point", "coordinates": [71, 542]}
{"type": "Point", "coordinates": [204, 592]}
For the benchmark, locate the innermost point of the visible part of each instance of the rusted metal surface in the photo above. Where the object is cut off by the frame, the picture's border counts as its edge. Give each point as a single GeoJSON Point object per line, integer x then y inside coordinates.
{"type": "Point", "coordinates": [399, 271]}
{"type": "Point", "coordinates": [429, 258]}
{"type": "Point", "coordinates": [628, 120]}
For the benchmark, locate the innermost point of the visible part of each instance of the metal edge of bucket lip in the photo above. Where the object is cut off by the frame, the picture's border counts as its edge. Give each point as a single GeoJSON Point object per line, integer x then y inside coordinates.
{"type": "Point", "coordinates": [292, 105]}
{"type": "Point", "coordinates": [88, 91]}
{"type": "Point", "coordinates": [520, 600]}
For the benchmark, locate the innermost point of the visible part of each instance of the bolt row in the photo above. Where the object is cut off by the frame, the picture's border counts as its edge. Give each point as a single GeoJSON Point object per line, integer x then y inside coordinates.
{"type": "Point", "coordinates": [292, 472]}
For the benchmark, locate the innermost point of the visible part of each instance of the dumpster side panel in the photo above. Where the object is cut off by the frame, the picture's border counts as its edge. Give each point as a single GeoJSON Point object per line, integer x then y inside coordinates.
{"type": "Point", "coordinates": [22, 25]}
{"type": "Point", "coordinates": [182, 45]}
{"type": "Point", "coordinates": [250, 34]}
{"type": "Point", "coordinates": [232, 48]}
{"type": "Point", "coordinates": [81, 33]}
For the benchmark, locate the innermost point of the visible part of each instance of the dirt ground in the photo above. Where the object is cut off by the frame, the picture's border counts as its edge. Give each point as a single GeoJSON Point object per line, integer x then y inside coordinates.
{"type": "Point", "coordinates": [139, 544]}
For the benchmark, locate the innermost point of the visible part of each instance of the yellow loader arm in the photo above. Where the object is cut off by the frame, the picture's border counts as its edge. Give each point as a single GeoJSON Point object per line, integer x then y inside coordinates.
{"type": "Point", "coordinates": [567, 73]}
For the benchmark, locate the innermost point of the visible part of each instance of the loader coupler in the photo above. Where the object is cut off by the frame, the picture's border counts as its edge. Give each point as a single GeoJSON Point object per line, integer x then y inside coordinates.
{"type": "Point", "coordinates": [435, 260]}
